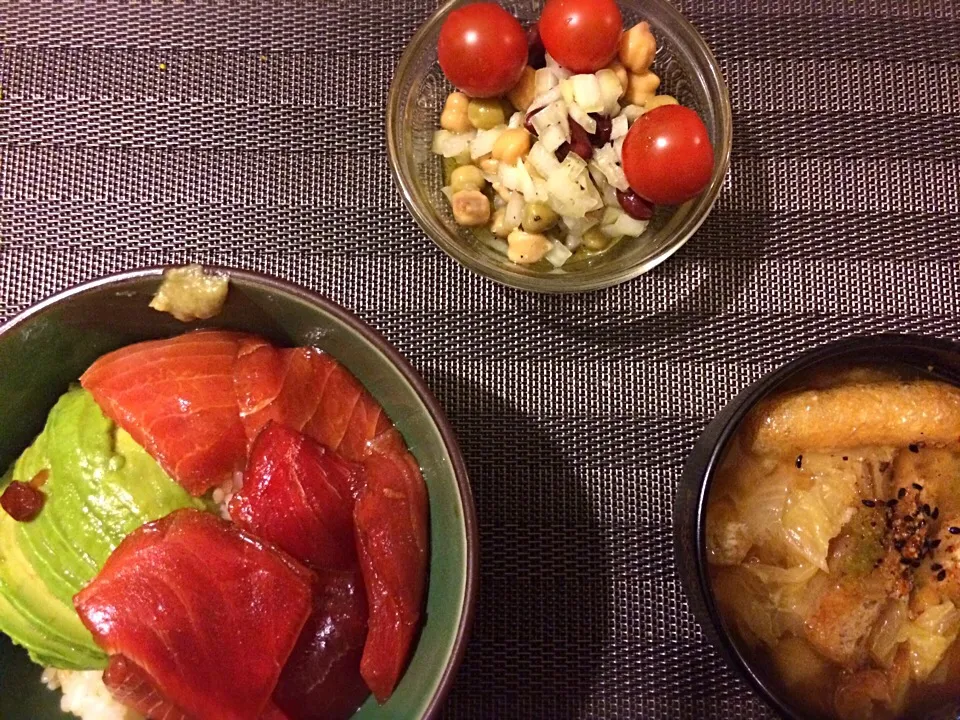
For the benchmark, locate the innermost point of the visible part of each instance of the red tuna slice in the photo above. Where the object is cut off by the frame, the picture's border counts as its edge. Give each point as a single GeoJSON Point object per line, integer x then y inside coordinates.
{"type": "Point", "coordinates": [176, 398]}
{"type": "Point", "coordinates": [391, 528]}
{"type": "Point", "coordinates": [298, 495]}
{"type": "Point", "coordinates": [208, 612]}
{"type": "Point", "coordinates": [307, 390]}
{"type": "Point", "coordinates": [321, 680]}
{"type": "Point", "coordinates": [131, 686]}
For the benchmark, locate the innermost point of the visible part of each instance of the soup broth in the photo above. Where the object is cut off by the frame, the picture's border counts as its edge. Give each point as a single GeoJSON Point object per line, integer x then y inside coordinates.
{"type": "Point", "coordinates": [833, 539]}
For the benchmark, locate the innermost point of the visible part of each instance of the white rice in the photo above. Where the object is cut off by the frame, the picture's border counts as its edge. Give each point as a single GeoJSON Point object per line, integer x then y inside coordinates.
{"type": "Point", "coordinates": [85, 695]}
{"type": "Point", "coordinates": [222, 494]}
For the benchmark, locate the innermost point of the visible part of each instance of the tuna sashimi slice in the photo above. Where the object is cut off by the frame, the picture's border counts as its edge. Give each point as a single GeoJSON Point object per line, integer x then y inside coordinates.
{"type": "Point", "coordinates": [321, 680]}
{"type": "Point", "coordinates": [131, 686]}
{"type": "Point", "coordinates": [299, 496]}
{"type": "Point", "coordinates": [391, 529]}
{"type": "Point", "coordinates": [176, 398]}
{"type": "Point", "coordinates": [209, 613]}
{"type": "Point", "coordinates": [307, 390]}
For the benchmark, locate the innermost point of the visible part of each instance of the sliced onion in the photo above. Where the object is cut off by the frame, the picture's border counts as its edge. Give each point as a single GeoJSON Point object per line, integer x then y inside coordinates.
{"type": "Point", "coordinates": [566, 90]}
{"type": "Point", "coordinates": [451, 144]}
{"type": "Point", "coordinates": [514, 212]}
{"type": "Point", "coordinates": [582, 118]}
{"type": "Point", "coordinates": [586, 92]}
{"type": "Point", "coordinates": [543, 160]}
{"type": "Point", "coordinates": [573, 242]}
{"type": "Point", "coordinates": [606, 161]}
{"type": "Point", "coordinates": [619, 127]}
{"type": "Point", "coordinates": [618, 147]}
{"type": "Point", "coordinates": [553, 137]}
{"type": "Point", "coordinates": [550, 96]}
{"type": "Point", "coordinates": [556, 68]}
{"type": "Point", "coordinates": [625, 225]}
{"type": "Point", "coordinates": [448, 191]}
{"type": "Point", "coordinates": [578, 226]}
{"type": "Point", "coordinates": [610, 91]}
{"type": "Point", "coordinates": [553, 114]}
{"type": "Point", "coordinates": [544, 79]}
{"type": "Point", "coordinates": [484, 141]}
{"type": "Point", "coordinates": [558, 254]}
{"type": "Point", "coordinates": [516, 120]}
{"type": "Point", "coordinates": [632, 112]}
{"type": "Point", "coordinates": [571, 190]}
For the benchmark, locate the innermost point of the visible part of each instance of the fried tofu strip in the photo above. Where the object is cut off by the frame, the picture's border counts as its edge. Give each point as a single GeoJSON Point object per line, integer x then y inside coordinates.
{"type": "Point", "coordinates": [893, 413]}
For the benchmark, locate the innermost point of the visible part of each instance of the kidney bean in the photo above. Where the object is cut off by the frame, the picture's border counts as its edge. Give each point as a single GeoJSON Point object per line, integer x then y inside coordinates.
{"type": "Point", "coordinates": [634, 205]}
{"type": "Point", "coordinates": [604, 127]}
{"type": "Point", "coordinates": [22, 501]}
{"type": "Point", "coordinates": [580, 141]}
{"type": "Point", "coordinates": [536, 52]}
{"type": "Point", "coordinates": [528, 125]}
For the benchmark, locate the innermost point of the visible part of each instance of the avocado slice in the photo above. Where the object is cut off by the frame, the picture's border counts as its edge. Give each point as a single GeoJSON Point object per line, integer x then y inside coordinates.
{"type": "Point", "coordinates": [100, 486]}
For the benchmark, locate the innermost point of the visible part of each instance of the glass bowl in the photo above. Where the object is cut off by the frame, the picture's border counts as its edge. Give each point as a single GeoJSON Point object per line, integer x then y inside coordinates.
{"type": "Point", "coordinates": [688, 71]}
{"type": "Point", "coordinates": [45, 349]}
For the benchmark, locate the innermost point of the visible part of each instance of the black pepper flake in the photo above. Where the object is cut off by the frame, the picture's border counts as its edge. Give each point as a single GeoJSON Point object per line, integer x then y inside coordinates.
{"type": "Point", "coordinates": [941, 576]}
{"type": "Point", "coordinates": [954, 530]}
{"type": "Point", "coordinates": [845, 458]}
{"type": "Point", "coordinates": [936, 513]}
{"type": "Point", "coordinates": [902, 493]}
{"type": "Point", "coordinates": [892, 502]}
{"type": "Point", "coordinates": [799, 462]}
{"type": "Point", "coordinates": [917, 486]}
{"type": "Point", "coordinates": [873, 503]}
{"type": "Point", "coordinates": [913, 447]}
{"type": "Point", "coordinates": [936, 566]}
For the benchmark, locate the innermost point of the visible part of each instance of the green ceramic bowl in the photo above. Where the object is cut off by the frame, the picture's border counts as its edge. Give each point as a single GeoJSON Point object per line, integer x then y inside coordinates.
{"type": "Point", "coordinates": [46, 348]}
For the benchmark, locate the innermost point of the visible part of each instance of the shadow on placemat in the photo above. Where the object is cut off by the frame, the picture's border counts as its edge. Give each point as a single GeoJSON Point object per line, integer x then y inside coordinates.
{"type": "Point", "coordinates": [544, 615]}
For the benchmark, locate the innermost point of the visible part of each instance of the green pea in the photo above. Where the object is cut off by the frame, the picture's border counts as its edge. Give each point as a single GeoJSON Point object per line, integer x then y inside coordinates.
{"type": "Point", "coordinates": [485, 114]}
{"type": "Point", "coordinates": [538, 217]}
{"type": "Point", "coordinates": [595, 241]}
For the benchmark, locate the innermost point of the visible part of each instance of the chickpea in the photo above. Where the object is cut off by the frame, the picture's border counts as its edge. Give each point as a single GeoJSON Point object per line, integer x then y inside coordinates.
{"type": "Point", "coordinates": [658, 100]}
{"type": "Point", "coordinates": [525, 90]}
{"type": "Point", "coordinates": [471, 208]}
{"type": "Point", "coordinates": [527, 248]}
{"type": "Point", "coordinates": [622, 75]}
{"type": "Point", "coordinates": [642, 88]}
{"type": "Point", "coordinates": [485, 114]}
{"type": "Point", "coordinates": [498, 225]}
{"type": "Point", "coordinates": [511, 146]}
{"type": "Point", "coordinates": [454, 117]}
{"type": "Point", "coordinates": [594, 240]}
{"type": "Point", "coordinates": [489, 165]}
{"type": "Point", "coordinates": [468, 177]}
{"type": "Point", "coordinates": [638, 47]}
{"type": "Point", "coordinates": [538, 217]}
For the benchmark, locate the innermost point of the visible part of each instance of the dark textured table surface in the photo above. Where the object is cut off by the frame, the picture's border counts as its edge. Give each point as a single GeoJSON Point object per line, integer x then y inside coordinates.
{"type": "Point", "coordinates": [252, 135]}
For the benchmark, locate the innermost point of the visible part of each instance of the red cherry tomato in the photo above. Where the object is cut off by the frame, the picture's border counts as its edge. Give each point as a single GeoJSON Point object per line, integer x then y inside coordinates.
{"type": "Point", "coordinates": [581, 35]}
{"type": "Point", "coordinates": [667, 156]}
{"type": "Point", "coordinates": [482, 49]}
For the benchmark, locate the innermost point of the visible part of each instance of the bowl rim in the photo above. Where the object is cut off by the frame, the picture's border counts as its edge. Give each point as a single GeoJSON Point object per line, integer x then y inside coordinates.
{"type": "Point", "coordinates": [436, 702]}
{"type": "Point", "coordinates": [725, 424]}
{"type": "Point", "coordinates": [550, 283]}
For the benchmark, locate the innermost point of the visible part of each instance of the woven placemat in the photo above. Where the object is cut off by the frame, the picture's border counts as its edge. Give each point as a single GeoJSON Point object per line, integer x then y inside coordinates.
{"type": "Point", "coordinates": [252, 135]}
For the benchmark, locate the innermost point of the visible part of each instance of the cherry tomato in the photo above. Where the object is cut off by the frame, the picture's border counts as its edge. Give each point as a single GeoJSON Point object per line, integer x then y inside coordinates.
{"type": "Point", "coordinates": [581, 35]}
{"type": "Point", "coordinates": [482, 49]}
{"type": "Point", "coordinates": [667, 156]}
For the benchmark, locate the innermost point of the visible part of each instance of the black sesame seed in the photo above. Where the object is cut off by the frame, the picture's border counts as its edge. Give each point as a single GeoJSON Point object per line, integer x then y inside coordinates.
{"type": "Point", "coordinates": [941, 576]}
{"type": "Point", "coordinates": [936, 513]}
{"type": "Point", "coordinates": [917, 486]}
{"type": "Point", "coordinates": [936, 566]}
{"type": "Point", "coordinates": [926, 508]}
{"type": "Point", "coordinates": [954, 530]}
{"type": "Point", "coordinates": [845, 458]}
{"type": "Point", "coordinates": [902, 493]}
{"type": "Point", "coordinates": [892, 502]}
{"type": "Point", "coordinates": [905, 561]}
{"type": "Point", "coordinates": [873, 503]}
{"type": "Point", "coordinates": [799, 461]}
{"type": "Point", "coordinates": [914, 448]}
{"type": "Point", "coordinates": [917, 563]}
{"type": "Point", "coordinates": [898, 544]}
